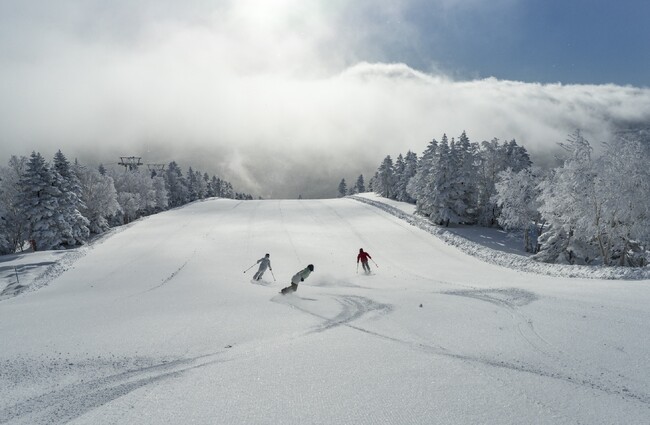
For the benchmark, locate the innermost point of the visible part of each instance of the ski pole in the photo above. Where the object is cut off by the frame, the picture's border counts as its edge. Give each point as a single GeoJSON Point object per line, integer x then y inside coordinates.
{"type": "Point", "coordinates": [357, 268]}
{"type": "Point", "coordinates": [250, 267]}
{"type": "Point", "coordinates": [273, 276]}
{"type": "Point", "coordinates": [374, 262]}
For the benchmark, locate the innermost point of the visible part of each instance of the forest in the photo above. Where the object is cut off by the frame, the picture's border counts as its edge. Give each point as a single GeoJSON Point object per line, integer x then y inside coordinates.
{"type": "Point", "coordinates": [590, 209]}
{"type": "Point", "coordinates": [61, 204]}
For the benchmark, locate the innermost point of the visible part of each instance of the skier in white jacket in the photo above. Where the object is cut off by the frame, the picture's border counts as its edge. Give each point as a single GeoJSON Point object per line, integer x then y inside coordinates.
{"type": "Point", "coordinates": [264, 262]}
{"type": "Point", "coordinates": [297, 278]}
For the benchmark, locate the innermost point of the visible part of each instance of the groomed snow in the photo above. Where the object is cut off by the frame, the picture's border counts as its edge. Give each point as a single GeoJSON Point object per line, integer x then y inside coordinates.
{"type": "Point", "coordinates": [158, 324]}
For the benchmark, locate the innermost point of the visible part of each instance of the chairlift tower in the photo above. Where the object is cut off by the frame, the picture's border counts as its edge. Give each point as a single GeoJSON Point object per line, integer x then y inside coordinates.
{"type": "Point", "coordinates": [130, 163]}
{"type": "Point", "coordinates": [156, 169]}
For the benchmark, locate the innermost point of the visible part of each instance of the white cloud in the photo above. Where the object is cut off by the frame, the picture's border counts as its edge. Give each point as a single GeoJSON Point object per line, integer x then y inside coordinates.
{"type": "Point", "coordinates": [270, 90]}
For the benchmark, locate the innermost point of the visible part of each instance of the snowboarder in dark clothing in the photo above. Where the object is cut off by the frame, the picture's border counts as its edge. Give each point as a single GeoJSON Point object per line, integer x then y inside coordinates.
{"type": "Point", "coordinates": [363, 257]}
{"type": "Point", "coordinates": [297, 278]}
{"type": "Point", "coordinates": [264, 263]}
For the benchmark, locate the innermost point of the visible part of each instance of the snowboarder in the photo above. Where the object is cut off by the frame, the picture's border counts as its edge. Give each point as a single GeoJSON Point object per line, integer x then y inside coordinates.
{"type": "Point", "coordinates": [297, 278]}
{"type": "Point", "coordinates": [264, 263]}
{"type": "Point", "coordinates": [363, 257]}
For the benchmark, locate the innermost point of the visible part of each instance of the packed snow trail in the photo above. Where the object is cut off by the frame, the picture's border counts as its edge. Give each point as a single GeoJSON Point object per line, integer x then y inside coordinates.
{"type": "Point", "coordinates": [159, 324]}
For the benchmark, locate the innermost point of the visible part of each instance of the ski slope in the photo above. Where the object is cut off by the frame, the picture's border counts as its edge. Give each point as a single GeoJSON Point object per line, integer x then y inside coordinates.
{"type": "Point", "coordinates": [159, 324]}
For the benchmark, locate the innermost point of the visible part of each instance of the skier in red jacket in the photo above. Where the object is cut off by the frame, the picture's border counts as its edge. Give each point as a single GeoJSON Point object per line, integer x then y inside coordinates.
{"type": "Point", "coordinates": [363, 257]}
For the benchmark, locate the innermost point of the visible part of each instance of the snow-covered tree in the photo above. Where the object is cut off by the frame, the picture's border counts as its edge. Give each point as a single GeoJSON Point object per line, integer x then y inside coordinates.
{"type": "Point", "coordinates": [13, 224]}
{"type": "Point", "coordinates": [5, 246]}
{"type": "Point", "coordinates": [196, 185]}
{"type": "Point", "coordinates": [176, 185]}
{"type": "Point", "coordinates": [135, 193]}
{"type": "Point", "coordinates": [99, 198]}
{"type": "Point", "coordinates": [384, 184]}
{"type": "Point", "coordinates": [516, 157]}
{"type": "Point", "coordinates": [419, 185]}
{"type": "Point", "coordinates": [161, 197]}
{"type": "Point", "coordinates": [405, 169]}
{"type": "Point", "coordinates": [462, 190]}
{"type": "Point", "coordinates": [40, 196]}
{"type": "Point", "coordinates": [571, 206]}
{"type": "Point", "coordinates": [410, 168]}
{"type": "Point", "coordinates": [342, 189]}
{"type": "Point", "coordinates": [624, 178]}
{"type": "Point", "coordinates": [360, 186]}
{"type": "Point", "coordinates": [227, 190]}
{"type": "Point", "coordinates": [398, 171]}
{"type": "Point", "coordinates": [441, 192]}
{"type": "Point", "coordinates": [490, 164]}
{"type": "Point", "coordinates": [203, 183]}
{"type": "Point", "coordinates": [516, 194]}
{"type": "Point", "coordinates": [493, 158]}
{"type": "Point", "coordinates": [70, 203]}
{"type": "Point", "coordinates": [214, 187]}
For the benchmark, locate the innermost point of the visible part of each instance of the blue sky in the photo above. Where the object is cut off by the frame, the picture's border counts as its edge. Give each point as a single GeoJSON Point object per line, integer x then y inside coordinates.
{"type": "Point", "coordinates": [258, 91]}
{"type": "Point", "coordinates": [572, 41]}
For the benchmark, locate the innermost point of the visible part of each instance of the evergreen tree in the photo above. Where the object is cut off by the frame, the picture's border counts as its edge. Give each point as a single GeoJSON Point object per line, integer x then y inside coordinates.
{"type": "Point", "coordinates": [490, 164]}
{"type": "Point", "coordinates": [227, 190]}
{"type": "Point", "coordinates": [70, 203]}
{"type": "Point", "coordinates": [410, 168]}
{"type": "Point", "coordinates": [205, 186]}
{"type": "Point", "coordinates": [40, 191]}
{"type": "Point", "coordinates": [5, 245]}
{"type": "Point", "coordinates": [177, 190]}
{"type": "Point", "coordinates": [12, 221]}
{"type": "Point", "coordinates": [418, 185]}
{"type": "Point", "coordinates": [384, 184]}
{"type": "Point", "coordinates": [343, 189]}
{"type": "Point", "coordinates": [463, 199]}
{"type": "Point", "coordinates": [192, 185]}
{"type": "Point", "coordinates": [571, 205]}
{"type": "Point", "coordinates": [359, 185]}
{"type": "Point", "coordinates": [517, 157]}
{"type": "Point", "coordinates": [213, 187]}
{"type": "Point", "coordinates": [441, 190]}
{"type": "Point", "coordinates": [398, 170]}
{"type": "Point", "coordinates": [201, 186]}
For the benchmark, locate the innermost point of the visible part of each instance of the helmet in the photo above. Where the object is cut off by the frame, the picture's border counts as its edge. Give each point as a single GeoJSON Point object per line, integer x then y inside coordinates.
{"type": "Point", "coordinates": [311, 267]}
{"type": "Point", "coordinates": [267, 255]}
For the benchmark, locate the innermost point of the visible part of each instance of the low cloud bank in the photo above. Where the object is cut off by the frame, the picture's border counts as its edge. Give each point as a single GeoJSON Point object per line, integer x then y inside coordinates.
{"type": "Point", "coordinates": [278, 111]}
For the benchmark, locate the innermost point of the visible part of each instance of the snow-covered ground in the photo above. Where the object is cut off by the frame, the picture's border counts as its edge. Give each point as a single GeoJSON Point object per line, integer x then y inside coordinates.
{"type": "Point", "coordinates": [158, 324]}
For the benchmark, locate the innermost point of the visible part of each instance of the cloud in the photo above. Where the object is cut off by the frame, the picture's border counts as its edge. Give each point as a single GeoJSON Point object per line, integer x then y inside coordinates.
{"type": "Point", "coordinates": [272, 96]}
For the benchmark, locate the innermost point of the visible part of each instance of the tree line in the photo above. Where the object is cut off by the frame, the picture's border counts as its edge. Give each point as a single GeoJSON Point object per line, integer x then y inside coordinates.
{"type": "Point", "coordinates": [587, 210]}
{"type": "Point", "coordinates": [62, 204]}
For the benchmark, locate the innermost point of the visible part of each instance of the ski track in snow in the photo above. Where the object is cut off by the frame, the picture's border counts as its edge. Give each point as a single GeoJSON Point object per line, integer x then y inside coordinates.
{"type": "Point", "coordinates": [284, 228]}
{"type": "Point", "coordinates": [171, 276]}
{"type": "Point", "coordinates": [555, 364]}
{"type": "Point", "coordinates": [73, 400]}
{"type": "Point", "coordinates": [352, 308]}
